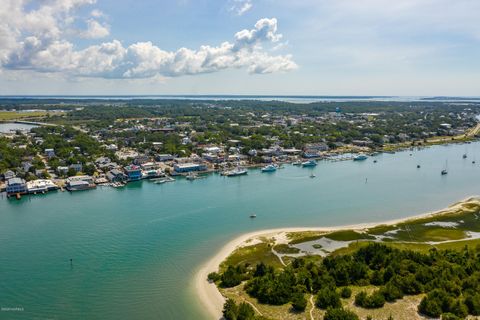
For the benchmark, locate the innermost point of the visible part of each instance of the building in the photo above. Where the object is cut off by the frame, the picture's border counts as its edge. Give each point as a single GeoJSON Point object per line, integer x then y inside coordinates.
{"type": "Point", "coordinates": [116, 175]}
{"type": "Point", "coordinates": [78, 167]}
{"type": "Point", "coordinates": [26, 165]}
{"type": "Point", "coordinates": [16, 186]}
{"type": "Point", "coordinates": [189, 167]}
{"type": "Point", "coordinates": [85, 178]}
{"type": "Point", "coordinates": [62, 170]}
{"type": "Point", "coordinates": [41, 186]}
{"type": "Point", "coordinates": [165, 157]}
{"type": "Point", "coordinates": [79, 185]}
{"type": "Point", "coordinates": [133, 172]}
{"type": "Point", "coordinates": [50, 153]}
{"type": "Point", "coordinates": [9, 174]}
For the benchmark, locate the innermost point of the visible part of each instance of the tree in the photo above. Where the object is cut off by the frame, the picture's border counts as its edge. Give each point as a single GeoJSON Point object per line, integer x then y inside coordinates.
{"type": "Point", "coordinates": [231, 277]}
{"type": "Point", "coordinates": [230, 310]}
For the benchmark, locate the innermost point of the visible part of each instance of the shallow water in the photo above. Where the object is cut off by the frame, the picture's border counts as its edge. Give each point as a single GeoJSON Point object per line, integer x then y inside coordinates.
{"type": "Point", "coordinates": [135, 250]}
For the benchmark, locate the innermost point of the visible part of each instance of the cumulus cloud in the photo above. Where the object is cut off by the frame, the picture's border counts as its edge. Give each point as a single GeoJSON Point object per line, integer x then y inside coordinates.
{"type": "Point", "coordinates": [95, 30]}
{"type": "Point", "coordinates": [39, 45]}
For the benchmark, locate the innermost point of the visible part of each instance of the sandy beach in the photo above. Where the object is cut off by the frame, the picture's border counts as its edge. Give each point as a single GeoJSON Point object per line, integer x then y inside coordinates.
{"type": "Point", "coordinates": [211, 298]}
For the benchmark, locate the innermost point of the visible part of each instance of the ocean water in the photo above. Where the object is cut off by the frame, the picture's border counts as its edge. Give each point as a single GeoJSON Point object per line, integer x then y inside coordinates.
{"type": "Point", "coordinates": [135, 250]}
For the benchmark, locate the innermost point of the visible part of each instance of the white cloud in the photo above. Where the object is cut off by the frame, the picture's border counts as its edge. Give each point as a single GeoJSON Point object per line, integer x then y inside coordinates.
{"type": "Point", "coordinates": [97, 13]}
{"type": "Point", "coordinates": [95, 30]}
{"type": "Point", "coordinates": [240, 7]}
{"type": "Point", "coordinates": [36, 41]}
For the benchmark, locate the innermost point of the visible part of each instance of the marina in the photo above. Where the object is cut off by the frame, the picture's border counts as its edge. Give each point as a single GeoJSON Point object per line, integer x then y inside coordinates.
{"type": "Point", "coordinates": [137, 248]}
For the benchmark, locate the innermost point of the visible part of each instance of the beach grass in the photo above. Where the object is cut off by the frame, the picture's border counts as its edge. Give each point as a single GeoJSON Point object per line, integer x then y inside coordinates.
{"type": "Point", "coordinates": [284, 248]}
{"type": "Point", "coordinates": [348, 235]}
{"type": "Point", "coordinates": [254, 254]}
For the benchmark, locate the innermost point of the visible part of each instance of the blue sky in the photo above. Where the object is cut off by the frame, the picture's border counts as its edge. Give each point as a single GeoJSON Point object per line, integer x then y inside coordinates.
{"type": "Point", "coordinates": [314, 47]}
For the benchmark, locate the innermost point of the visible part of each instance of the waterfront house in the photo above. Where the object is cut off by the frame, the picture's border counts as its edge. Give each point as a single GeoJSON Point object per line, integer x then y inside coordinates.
{"type": "Point", "coordinates": [85, 178]}
{"type": "Point", "coordinates": [16, 186]}
{"type": "Point", "coordinates": [41, 186]}
{"type": "Point", "coordinates": [133, 172]}
{"type": "Point", "coordinates": [116, 175]}
{"type": "Point", "coordinates": [79, 185]}
{"type": "Point", "coordinates": [189, 167]}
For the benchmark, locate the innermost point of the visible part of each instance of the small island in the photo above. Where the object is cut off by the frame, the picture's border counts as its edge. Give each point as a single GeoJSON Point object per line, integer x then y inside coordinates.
{"type": "Point", "coordinates": [423, 267]}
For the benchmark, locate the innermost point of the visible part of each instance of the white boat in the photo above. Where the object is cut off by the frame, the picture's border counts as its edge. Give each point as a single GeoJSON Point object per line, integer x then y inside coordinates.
{"type": "Point", "coordinates": [360, 157]}
{"type": "Point", "coordinates": [191, 176]}
{"type": "Point", "coordinates": [269, 168]}
{"type": "Point", "coordinates": [235, 172]}
{"type": "Point", "coordinates": [253, 215]}
{"type": "Point", "coordinates": [309, 163]}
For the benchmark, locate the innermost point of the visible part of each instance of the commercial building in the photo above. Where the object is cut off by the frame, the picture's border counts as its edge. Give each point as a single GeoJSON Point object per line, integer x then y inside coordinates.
{"type": "Point", "coordinates": [133, 172]}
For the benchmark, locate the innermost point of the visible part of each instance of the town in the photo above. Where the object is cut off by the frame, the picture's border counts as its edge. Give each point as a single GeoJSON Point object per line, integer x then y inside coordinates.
{"type": "Point", "coordinates": [79, 144]}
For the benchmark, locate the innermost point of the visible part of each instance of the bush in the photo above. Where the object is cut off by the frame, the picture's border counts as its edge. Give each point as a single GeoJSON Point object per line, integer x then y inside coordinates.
{"type": "Point", "coordinates": [473, 304]}
{"type": "Point", "coordinates": [339, 314]}
{"type": "Point", "coordinates": [391, 292]}
{"type": "Point", "coordinates": [328, 297]}
{"type": "Point", "coordinates": [375, 300]}
{"type": "Point", "coordinates": [299, 303]}
{"type": "Point", "coordinates": [213, 277]}
{"type": "Point", "coordinates": [346, 292]}
{"type": "Point", "coordinates": [243, 311]}
{"type": "Point", "coordinates": [449, 316]}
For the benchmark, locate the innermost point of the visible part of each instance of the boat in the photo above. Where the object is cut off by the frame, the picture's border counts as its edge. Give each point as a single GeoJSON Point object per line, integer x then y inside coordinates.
{"type": "Point", "coordinates": [297, 163]}
{"type": "Point", "coordinates": [464, 156]}
{"type": "Point", "coordinates": [235, 172]}
{"type": "Point", "coordinates": [374, 161]}
{"type": "Point", "coordinates": [269, 168]}
{"type": "Point", "coordinates": [418, 166]}
{"type": "Point", "coordinates": [191, 176]}
{"type": "Point", "coordinates": [312, 176]}
{"type": "Point", "coordinates": [309, 163]}
{"type": "Point", "coordinates": [360, 157]}
{"type": "Point", "coordinates": [253, 215]}
{"type": "Point", "coordinates": [163, 180]}
{"type": "Point", "coordinates": [444, 171]}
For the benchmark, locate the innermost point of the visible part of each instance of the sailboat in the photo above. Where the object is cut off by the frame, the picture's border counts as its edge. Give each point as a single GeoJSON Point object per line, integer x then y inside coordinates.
{"type": "Point", "coordinates": [444, 171]}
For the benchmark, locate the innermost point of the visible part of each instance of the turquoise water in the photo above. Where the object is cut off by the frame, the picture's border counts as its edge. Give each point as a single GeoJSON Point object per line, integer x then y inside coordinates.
{"type": "Point", "coordinates": [135, 250]}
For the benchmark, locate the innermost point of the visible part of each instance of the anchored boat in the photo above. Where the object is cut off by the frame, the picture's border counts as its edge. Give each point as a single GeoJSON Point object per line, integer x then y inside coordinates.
{"type": "Point", "coordinates": [309, 163]}
{"type": "Point", "coordinates": [269, 168]}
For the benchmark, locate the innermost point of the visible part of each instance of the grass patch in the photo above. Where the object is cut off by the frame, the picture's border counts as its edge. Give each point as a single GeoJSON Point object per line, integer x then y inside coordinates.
{"type": "Point", "coordinates": [348, 235]}
{"type": "Point", "coordinates": [261, 252]}
{"type": "Point", "coordinates": [285, 249]}
{"type": "Point", "coordinates": [11, 115]}
{"type": "Point", "coordinates": [304, 236]}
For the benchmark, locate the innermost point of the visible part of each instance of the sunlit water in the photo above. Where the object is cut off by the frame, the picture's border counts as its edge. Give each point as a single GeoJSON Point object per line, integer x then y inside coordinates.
{"type": "Point", "coordinates": [135, 250]}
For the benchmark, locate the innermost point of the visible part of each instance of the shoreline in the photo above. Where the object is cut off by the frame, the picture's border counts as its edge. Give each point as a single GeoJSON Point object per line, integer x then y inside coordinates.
{"type": "Point", "coordinates": [210, 297]}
